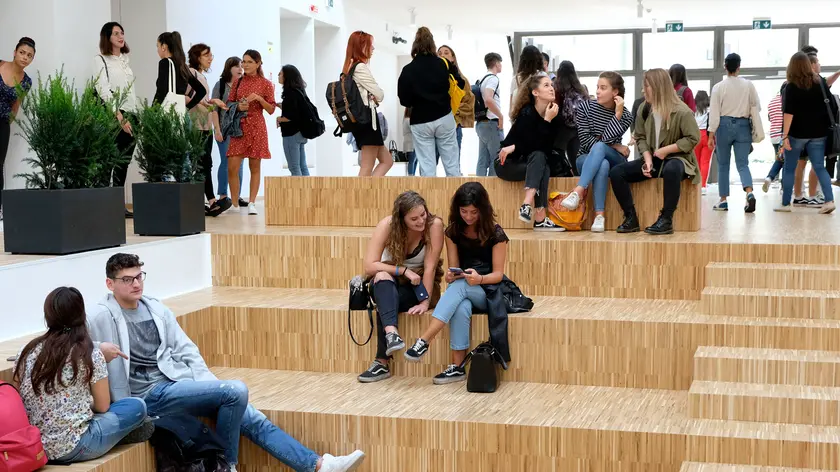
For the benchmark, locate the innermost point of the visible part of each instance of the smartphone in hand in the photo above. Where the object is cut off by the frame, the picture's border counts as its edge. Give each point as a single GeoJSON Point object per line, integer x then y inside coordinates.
{"type": "Point", "coordinates": [456, 270]}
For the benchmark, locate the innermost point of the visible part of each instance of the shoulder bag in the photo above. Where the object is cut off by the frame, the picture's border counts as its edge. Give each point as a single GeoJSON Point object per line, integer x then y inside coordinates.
{"type": "Point", "coordinates": [832, 144]}
{"type": "Point", "coordinates": [172, 99]}
{"type": "Point", "coordinates": [756, 127]}
{"type": "Point", "coordinates": [359, 300]}
{"type": "Point", "coordinates": [484, 375]}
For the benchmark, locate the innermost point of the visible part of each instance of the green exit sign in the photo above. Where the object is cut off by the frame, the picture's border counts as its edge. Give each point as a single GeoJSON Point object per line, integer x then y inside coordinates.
{"type": "Point", "coordinates": [674, 27]}
{"type": "Point", "coordinates": [762, 24]}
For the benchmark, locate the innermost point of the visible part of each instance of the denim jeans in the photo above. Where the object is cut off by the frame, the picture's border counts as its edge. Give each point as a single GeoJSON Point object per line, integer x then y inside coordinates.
{"type": "Point", "coordinates": [105, 430]}
{"type": "Point", "coordinates": [412, 162]}
{"type": "Point", "coordinates": [455, 308]}
{"type": "Point", "coordinates": [227, 400]}
{"type": "Point", "coordinates": [816, 154]}
{"type": "Point", "coordinates": [223, 169]}
{"type": "Point", "coordinates": [777, 165]}
{"type": "Point", "coordinates": [295, 149]}
{"type": "Point", "coordinates": [594, 168]}
{"type": "Point", "coordinates": [733, 132]}
{"type": "Point", "coordinates": [437, 136]}
{"type": "Point", "coordinates": [489, 143]}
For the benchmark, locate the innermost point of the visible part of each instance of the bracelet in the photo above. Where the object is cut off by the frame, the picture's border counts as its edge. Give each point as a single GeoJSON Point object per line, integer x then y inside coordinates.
{"type": "Point", "coordinates": [397, 271]}
{"type": "Point", "coordinates": [481, 282]}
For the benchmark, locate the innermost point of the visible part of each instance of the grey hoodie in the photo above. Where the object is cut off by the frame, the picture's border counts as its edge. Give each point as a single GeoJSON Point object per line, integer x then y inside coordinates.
{"type": "Point", "coordinates": [178, 357]}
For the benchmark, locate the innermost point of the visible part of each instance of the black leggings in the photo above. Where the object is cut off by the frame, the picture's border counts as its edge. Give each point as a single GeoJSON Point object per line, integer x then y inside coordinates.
{"type": "Point", "coordinates": [5, 134]}
{"type": "Point", "coordinates": [391, 299]}
{"type": "Point", "coordinates": [207, 165]}
{"type": "Point", "coordinates": [672, 171]}
{"type": "Point", "coordinates": [535, 171]}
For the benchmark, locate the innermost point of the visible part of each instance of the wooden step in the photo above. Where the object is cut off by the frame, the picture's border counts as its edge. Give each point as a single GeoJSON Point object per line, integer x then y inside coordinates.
{"type": "Point", "coordinates": [128, 458]}
{"type": "Point", "coordinates": [771, 303]}
{"type": "Point", "coordinates": [775, 276]}
{"type": "Point", "coordinates": [411, 424]}
{"type": "Point", "coordinates": [768, 403]}
{"type": "Point", "coordinates": [705, 467]}
{"type": "Point", "coordinates": [767, 366]}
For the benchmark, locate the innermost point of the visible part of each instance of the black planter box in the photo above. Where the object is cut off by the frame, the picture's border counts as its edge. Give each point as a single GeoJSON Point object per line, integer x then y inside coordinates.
{"type": "Point", "coordinates": [168, 208]}
{"type": "Point", "coordinates": [63, 221]}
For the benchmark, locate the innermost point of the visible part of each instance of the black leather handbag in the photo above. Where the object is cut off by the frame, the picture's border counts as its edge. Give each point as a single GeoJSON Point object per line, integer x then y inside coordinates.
{"type": "Point", "coordinates": [484, 375]}
{"type": "Point", "coordinates": [359, 300]}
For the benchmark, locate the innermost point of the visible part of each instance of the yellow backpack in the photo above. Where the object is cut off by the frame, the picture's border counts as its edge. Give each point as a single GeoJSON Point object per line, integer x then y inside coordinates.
{"type": "Point", "coordinates": [561, 216]}
{"type": "Point", "coordinates": [456, 94]}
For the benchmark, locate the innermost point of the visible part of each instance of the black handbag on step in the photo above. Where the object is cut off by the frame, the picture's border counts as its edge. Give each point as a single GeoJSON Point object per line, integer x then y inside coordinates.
{"type": "Point", "coordinates": [359, 300]}
{"type": "Point", "coordinates": [484, 375]}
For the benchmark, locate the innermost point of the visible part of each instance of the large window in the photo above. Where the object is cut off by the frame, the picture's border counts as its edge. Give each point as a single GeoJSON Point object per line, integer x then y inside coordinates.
{"type": "Point", "coordinates": [589, 52]}
{"type": "Point", "coordinates": [827, 40]}
{"type": "Point", "coordinates": [762, 48]}
{"type": "Point", "coordinates": [692, 49]}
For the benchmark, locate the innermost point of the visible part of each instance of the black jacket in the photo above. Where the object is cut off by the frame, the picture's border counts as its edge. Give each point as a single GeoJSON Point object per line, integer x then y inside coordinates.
{"type": "Point", "coordinates": [184, 444]}
{"type": "Point", "coordinates": [530, 132]}
{"type": "Point", "coordinates": [294, 108]}
{"type": "Point", "coordinates": [162, 85]}
{"type": "Point", "coordinates": [503, 298]}
{"type": "Point", "coordinates": [423, 86]}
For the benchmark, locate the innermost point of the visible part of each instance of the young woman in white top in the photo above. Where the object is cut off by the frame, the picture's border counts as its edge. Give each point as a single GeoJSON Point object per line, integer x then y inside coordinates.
{"type": "Point", "coordinates": [113, 73]}
{"type": "Point", "coordinates": [368, 138]}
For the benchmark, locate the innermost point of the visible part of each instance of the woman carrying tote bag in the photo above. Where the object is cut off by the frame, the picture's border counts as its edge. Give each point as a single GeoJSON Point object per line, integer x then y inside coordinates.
{"type": "Point", "coordinates": [174, 76]}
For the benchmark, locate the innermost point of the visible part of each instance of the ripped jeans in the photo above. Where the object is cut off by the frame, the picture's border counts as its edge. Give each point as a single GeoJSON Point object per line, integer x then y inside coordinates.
{"type": "Point", "coordinates": [227, 400]}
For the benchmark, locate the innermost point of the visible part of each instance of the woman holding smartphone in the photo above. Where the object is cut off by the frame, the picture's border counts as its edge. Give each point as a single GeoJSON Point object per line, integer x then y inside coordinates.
{"type": "Point", "coordinates": [476, 248]}
{"type": "Point", "coordinates": [403, 264]}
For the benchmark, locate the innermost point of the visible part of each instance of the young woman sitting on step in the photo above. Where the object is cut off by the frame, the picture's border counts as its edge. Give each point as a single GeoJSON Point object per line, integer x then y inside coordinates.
{"type": "Point", "coordinates": [476, 249]}
{"type": "Point", "coordinates": [402, 255]}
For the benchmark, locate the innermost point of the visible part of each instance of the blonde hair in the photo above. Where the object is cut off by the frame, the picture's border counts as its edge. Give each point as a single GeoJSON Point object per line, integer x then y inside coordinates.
{"type": "Point", "coordinates": [664, 98]}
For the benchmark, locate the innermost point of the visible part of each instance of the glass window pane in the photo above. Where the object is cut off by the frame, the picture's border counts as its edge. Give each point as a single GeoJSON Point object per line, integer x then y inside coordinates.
{"type": "Point", "coordinates": [615, 51]}
{"type": "Point", "coordinates": [825, 39]}
{"type": "Point", "coordinates": [693, 49]}
{"type": "Point", "coordinates": [762, 48]}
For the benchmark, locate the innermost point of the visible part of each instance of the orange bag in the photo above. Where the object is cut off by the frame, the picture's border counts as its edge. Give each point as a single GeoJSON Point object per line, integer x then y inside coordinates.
{"type": "Point", "coordinates": [571, 220]}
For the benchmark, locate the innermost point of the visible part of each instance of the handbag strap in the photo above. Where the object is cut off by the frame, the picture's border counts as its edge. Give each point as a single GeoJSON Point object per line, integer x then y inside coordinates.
{"type": "Point", "coordinates": [107, 75]}
{"type": "Point", "coordinates": [827, 105]}
{"type": "Point", "coordinates": [171, 75]}
{"type": "Point", "coordinates": [350, 326]}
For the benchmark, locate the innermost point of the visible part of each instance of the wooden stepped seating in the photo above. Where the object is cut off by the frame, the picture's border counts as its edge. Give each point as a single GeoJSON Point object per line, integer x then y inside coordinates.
{"type": "Point", "coordinates": [773, 276]}
{"type": "Point", "coordinates": [355, 201]}
{"type": "Point", "coordinates": [410, 424]}
{"type": "Point", "coordinates": [705, 467]}
{"type": "Point", "coordinates": [130, 458]}
{"type": "Point", "coordinates": [767, 366]}
{"type": "Point", "coordinates": [772, 303]}
{"type": "Point", "coordinates": [765, 403]}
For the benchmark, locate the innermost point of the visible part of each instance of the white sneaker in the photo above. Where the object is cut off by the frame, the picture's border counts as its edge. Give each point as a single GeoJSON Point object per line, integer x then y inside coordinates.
{"type": "Point", "coordinates": [766, 186]}
{"type": "Point", "coordinates": [598, 224]}
{"type": "Point", "coordinates": [342, 463]}
{"type": "Point", "coordinates": [252, 209]}
{"type": "Point", "coordinates": [783, 208]}
{"type": "Point", "coordinates": [827, 208]}
{"type": "Point", "coordinates": [571, 201]}
{"type": "Point", "coordinates": [233, 468]}
{"type": "Point", "coordinates": [703, 191]}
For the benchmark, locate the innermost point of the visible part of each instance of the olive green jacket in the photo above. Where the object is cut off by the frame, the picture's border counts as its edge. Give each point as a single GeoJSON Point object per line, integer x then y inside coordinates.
{"type": "Point", "coordinates": [682, 131]}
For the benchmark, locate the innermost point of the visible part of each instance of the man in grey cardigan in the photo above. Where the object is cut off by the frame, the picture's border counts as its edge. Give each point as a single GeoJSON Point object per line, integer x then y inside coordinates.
{"type": "Point", "coordinates": [160, 364]}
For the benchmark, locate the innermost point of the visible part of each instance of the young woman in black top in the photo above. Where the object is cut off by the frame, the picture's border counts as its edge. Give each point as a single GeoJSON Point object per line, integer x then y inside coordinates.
{"type": "Point", "coordinates": [806, 125]}
{"type": "Point", "coordinates": [170, 49]}
{"type": "Point", "coordinates": [568, 93]}
{"type": "Point", "coordinates": [526, 151]}
{"type": "Point", "coordinates": [295, 110]}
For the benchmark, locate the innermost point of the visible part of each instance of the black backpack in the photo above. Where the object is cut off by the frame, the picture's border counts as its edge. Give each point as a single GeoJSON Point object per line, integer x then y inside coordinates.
{"type": "Point", "coordinates": [184, 444]}
{"type": "Point", "coordinates": [313, 126]}
{"type": "Point", "coordinates": [480, 106]}
{"type": "Point", "coordinates": [345, 101]}
{"type": "Point", "coordinates": [484, 375]}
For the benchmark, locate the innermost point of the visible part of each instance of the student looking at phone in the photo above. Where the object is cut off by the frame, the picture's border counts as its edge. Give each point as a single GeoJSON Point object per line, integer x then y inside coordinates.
{"type": "Point", "coordinates": [403, 261]}
{"type": "Point", "coordinates": [478, 246]}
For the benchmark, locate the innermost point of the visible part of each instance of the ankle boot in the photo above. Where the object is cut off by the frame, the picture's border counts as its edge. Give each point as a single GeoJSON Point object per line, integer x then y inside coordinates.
{"type": "Point", "coordinates": [630, 224]}
{"type": "Point", "coordinates": [664, 225]}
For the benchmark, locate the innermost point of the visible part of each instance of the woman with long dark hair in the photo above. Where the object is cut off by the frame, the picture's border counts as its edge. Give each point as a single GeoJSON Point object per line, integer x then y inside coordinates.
{"type": "Point", "coordinates": [476, 247]}
{"type": "Point", "coordinates": [173, 61]}
{"type": "Point", "coordinates": [252, 93]}
{"type": "Point", "coordinates": [11, 75]}
{"type": "Point", "coordinates": [221, 92]}
{"type": "Point", "coordinates": [63, 381]}
{"type": "Point", "coordinates": [680, 79]}
{"type": "Point", "coordinates": [530, 63]}
{"type": "Point", "coordinates": [295, 110]}
{"type": "Point", "coordinates": [569, 93]}
{"type": "Point", "coordinates": [703, 151]}
{"type": "Point", "coordinates": [402, 255]}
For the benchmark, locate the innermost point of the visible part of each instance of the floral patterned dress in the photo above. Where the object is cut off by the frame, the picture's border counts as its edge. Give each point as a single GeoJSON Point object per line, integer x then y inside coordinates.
{"type": "Point", "coordinates": [253, 143]}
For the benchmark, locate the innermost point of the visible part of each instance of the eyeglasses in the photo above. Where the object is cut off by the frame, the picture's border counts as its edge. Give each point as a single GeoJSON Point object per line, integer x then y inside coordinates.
{"type": "Point", "coordinates": [128, 280]}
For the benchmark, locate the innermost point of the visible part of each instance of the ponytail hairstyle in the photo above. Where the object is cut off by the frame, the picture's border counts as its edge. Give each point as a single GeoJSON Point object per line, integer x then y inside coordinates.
{"type": "Point", "coordinates": [174, 44]}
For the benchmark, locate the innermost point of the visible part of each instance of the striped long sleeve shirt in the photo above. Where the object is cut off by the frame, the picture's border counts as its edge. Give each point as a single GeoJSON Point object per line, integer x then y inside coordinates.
{"type": "Point", "coordinates": [774, 112]}
{"type": "Point", "coordinates": [596, 123]}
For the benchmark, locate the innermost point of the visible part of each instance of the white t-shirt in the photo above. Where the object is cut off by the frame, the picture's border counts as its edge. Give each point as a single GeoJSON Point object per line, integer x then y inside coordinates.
{"type": "Point", "coordinates": [657, 121]}
{"type": "Point", "coordinates": [492, 83]}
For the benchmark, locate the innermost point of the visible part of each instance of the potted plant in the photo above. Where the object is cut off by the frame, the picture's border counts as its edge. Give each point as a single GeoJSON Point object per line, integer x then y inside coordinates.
{"type": "Point", "coordinates": [68, 205]}
{"type": "Point", "coordinates": [171, 201]}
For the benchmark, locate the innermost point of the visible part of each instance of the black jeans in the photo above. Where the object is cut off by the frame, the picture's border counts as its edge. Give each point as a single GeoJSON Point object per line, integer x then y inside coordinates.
{"type": "Point", "coordinates": [125, 143]}
{"type": "Point", "coordinates": [535, 171]}
{"type": "Point", "coordinates": [672, 171]}
{"type": "Point", "coordinates": [5, 134]}
{"type": "Point", "coordinates": [207, 165]}
{"type": "Point", "coordinates": [391, 299]}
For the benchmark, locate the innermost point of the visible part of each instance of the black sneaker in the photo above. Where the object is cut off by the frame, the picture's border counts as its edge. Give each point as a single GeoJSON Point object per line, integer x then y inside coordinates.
{"type": "Point", "coordinates": [419, 348]}
{"type": "Point", "coordinates": [801, 201]}
{"type": "Point", "coordinates": [750, 208]}
{"type": "Point", "coordinates": [525, 213]}
{"type": "Point", "coordinates": [548, 226]}
{"type": "Point", "coordinates": [219, 207]}
{"type": "Point", "coordinates": [452, 374]}
{"type": "Point", "coordinates": [129, 214]}
{"type": "Point", "coordinates": [629, 225]}
{"type": "Point", "coordinates": [243, 203]}
{"type": "Point", "coordinates": [815, 202]}
{"type": "Point", "coordinates": [663, 225]}
{"type": "Point", "coordinates": [140, 434]}
{"type": "Point", "coordinates": [376, 372]}
{"type": "Point", "coordinates": [394, 342]}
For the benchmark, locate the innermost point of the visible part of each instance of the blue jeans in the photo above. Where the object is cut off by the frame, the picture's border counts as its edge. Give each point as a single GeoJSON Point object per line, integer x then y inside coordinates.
{"type": "Point", "coordinates": [816, 154]}
{"type": "Point", "coordinates": [105, 430]}
{"type": "Point", "coordinates": [594, 168]}
{"type": "Point", "coordinates": [223, 169]}
{"type": "Point", "coordinates": [777, 165]}
{"type": "Point", "coordinates": [227, 400]}
{"type": "Point", "coordinates": [455, 308]}
{"type": "Point", "coordinates": [412, 162]}
{"type": "Point", "coordinates": [489, 143]}
{"type": "Point", "coordinates": [437, 136]}
{"type": "Point", "coordinates": [733, 133]}
{"type": "Point", "coordinates": [295, 149]}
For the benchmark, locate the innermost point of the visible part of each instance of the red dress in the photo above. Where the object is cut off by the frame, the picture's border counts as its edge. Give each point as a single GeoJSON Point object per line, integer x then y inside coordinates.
{"type": "Point", "coordinates": [254, 140]}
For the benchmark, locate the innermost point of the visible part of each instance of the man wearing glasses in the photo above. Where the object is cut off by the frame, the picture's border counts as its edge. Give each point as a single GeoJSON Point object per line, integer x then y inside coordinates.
{"type": "Point", "coordinates": [161, 365]}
